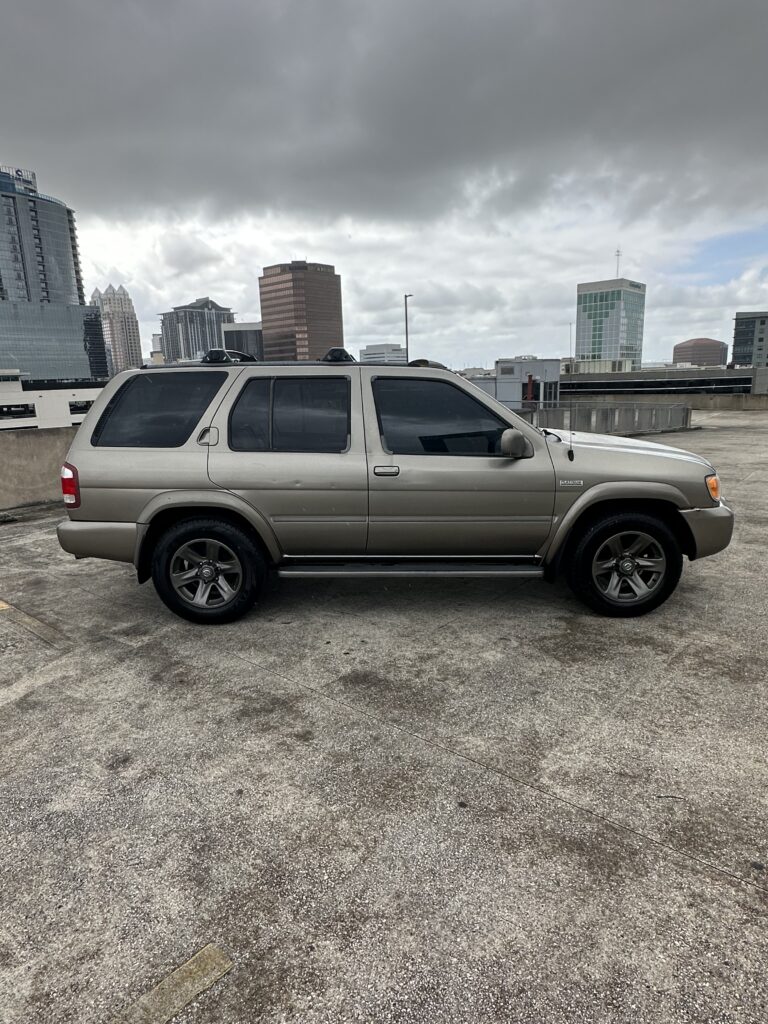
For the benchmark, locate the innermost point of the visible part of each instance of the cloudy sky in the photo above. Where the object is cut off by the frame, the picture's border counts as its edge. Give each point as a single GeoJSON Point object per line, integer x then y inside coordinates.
{"type": "Point", "coordinates": [485, 156]}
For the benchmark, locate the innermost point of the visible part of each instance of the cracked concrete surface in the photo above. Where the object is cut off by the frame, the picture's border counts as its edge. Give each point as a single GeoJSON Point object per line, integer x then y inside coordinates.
{"type": "Point", "coordinates": [412, 802]}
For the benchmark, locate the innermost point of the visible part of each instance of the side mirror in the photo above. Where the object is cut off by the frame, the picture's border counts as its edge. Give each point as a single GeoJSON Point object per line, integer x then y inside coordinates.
{"type": "Point", "coordinates": [515, 445]}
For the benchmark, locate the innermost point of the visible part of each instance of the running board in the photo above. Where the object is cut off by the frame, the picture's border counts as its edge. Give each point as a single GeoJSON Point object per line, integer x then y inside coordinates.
{"type": "Point", "coordinates": [373, 570]}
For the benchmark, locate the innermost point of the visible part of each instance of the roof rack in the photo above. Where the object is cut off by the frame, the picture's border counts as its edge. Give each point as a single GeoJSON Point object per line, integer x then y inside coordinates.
{"type": "Point", "coordinates": [428, 362]}
{"type": "Point", "coordinates": [224, 356]}
{"type": "Point", "coordinates": [227, 355]}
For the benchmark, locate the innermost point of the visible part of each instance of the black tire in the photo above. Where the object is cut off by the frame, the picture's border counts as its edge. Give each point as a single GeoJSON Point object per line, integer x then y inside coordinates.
{"type": "Point", "coordinates": [611, 589]}
{"type": "Point", "coordinates": [225, 566]}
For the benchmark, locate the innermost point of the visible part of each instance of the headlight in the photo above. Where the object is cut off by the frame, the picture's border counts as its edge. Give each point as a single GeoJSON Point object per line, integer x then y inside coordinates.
{"type": "Point", "coordinates": [713, 486]}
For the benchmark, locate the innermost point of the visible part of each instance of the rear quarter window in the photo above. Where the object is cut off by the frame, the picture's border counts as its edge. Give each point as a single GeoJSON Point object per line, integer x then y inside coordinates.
{"type": "Point", "coordinates": [156, 410]}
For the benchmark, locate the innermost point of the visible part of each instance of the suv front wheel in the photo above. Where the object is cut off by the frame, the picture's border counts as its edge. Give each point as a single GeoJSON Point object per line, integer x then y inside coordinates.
{"type": "Point", "coordinates": [626, 564]}
{"type": "Point", "coordinates": [208, 570]}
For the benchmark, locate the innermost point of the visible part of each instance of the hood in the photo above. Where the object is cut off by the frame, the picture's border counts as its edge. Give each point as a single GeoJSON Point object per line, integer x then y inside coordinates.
{"type": "Point", "coordinates": [631, 445]}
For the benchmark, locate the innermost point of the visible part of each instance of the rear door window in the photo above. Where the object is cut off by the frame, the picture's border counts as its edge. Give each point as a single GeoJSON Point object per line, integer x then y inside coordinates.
{"type": "Point", "coordinates": [156, 410]}
{"type": "Point", "coordinates": [292, 414]}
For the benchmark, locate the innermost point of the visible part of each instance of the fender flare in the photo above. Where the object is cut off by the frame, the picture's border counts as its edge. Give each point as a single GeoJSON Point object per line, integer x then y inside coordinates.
{"type": "Point", "coordinates": [225, 500]}
{"type": "Point", "coordinates": [618, 490]}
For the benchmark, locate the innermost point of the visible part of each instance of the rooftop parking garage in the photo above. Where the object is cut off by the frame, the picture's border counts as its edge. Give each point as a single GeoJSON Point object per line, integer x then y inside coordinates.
{"type": "Point", "coordinates": [428, 801]}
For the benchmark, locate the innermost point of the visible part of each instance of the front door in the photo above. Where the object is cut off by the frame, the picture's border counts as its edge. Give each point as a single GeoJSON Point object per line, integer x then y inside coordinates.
{"type": "Point", "coordinates": [438, 484]}
{"type": "Point", "coordinates": [291, 444]}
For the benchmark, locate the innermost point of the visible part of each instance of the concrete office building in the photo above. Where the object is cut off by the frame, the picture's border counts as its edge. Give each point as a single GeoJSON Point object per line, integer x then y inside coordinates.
{"type": "Point", "coordinates": [392, 355]}
{"type": "Point", "coordinates": [701, 352]}
{"type": "Point", "coordinates": [520, 382]}
{"type": "Point", "coordinates": [300, 310]}
{"type": "Point", "coordinates": [46, 329]}
{"type": "Point", "coordinates": [121, 328]}
{"type": "Point", "coordinates": [749, 333]}
{"type": "Point", "coordinates": [244, 337]}
{"type": "Point", "coordinates": [188, 332]}
{"type": "Point", "coordinates": [609, 320]}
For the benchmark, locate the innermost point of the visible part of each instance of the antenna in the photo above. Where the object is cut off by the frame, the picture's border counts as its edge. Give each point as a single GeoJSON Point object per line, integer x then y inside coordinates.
{"type": "Point", "coordinates": [570, 393]}
{"type": "Point", "coordinates": [618, 254]}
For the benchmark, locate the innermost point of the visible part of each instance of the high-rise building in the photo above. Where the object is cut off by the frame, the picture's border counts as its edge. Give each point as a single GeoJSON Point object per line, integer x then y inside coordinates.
{"type": "Point", "coordinates": [300, 310]}
{"type": "Point", "coordinates": [188, 332]}
{"type": "Point", "coordinates": [384, 353]}
{"type": "Point", "coordinates": [701, 352]}
{"type": "Point", "coordinates": [46, 329]}
{"type": "Point", "coordinates": [609, 320]}
{"type": "Point", "coordinates": [121, 328]}
{"type": "Point", "coordinates": [244, 337]}
{"type": "Point", "coordinates": [749, 334]}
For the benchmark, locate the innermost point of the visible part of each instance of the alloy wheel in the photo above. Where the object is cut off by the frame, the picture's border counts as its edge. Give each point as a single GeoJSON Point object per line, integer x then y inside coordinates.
{"type": "Point", "coordinates": [629, 567]}
{"type": "Point", "coordinates": [206, 573]}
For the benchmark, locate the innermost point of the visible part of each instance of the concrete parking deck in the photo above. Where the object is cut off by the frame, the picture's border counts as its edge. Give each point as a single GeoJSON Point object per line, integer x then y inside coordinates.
{"type": "Point", "coordinates": [438, 801]}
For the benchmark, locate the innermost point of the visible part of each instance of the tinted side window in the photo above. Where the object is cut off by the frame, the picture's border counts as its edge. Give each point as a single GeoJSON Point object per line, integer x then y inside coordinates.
{"type": "Point", "coordinates": [292, 414]}
{"type": "Point", "coordinates": [156, 410]}
{"type": "Point", "coordinates": [310, 414]}
{"type": "Point", "coordinates": [432, 417]}
{"type": "Point", "coordinates": [249, 421]}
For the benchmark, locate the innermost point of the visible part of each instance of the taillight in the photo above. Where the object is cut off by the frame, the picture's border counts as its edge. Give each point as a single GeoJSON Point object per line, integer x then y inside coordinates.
{"type": "Point", "coordinates": [70, 486]}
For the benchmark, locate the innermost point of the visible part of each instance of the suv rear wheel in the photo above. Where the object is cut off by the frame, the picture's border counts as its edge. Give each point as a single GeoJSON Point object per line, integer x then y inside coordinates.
{"type": "Point", "coordinates": [626, 564]}
{"type": "Point", "coordinates": [208, 570]}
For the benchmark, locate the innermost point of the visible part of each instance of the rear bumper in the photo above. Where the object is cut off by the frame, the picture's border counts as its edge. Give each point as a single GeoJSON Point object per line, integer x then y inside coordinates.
{"type": "Point", "coordinates": [712, 528]}
{"type": "Point", "coordinates": [116, 541]}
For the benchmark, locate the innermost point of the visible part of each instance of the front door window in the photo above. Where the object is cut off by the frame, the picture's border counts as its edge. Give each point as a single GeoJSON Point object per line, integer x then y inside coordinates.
{"type": "Point", "coordinates": [434, 417]}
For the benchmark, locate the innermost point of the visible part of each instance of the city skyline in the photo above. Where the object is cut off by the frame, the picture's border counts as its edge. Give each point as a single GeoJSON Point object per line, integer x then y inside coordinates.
{"type": "Point", "coordinates": [487, 177]}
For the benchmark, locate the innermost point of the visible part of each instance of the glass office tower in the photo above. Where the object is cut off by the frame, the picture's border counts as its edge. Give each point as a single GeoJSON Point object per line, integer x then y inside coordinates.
{"type": "Point", "coordinates": [46, 330]}
{"type": "Point", "coordinates": [609, 320]}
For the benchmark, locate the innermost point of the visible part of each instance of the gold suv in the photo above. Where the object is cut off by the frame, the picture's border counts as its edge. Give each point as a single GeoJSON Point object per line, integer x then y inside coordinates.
{"type": "Point", "coordinates": [209, 477]}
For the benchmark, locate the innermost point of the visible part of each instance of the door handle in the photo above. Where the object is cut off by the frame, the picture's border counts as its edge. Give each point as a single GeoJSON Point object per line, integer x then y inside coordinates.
{"type": "Point", "coordinates": [386, 470]}
{"type": "Point", "coordinates": [208, 436]}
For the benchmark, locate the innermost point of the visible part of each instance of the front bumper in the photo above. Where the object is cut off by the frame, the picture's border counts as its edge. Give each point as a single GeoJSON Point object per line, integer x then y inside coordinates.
{"type": "Point", "coordinates": [712, 528]}
{"type": "Point", "coordinates": [116, 541]}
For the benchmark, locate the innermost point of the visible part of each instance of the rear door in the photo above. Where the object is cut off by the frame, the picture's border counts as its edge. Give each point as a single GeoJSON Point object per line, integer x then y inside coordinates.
{"type": "Point", "coordinates": [438, 483]}
{"type": "Point", "coordinates": [290, 442]}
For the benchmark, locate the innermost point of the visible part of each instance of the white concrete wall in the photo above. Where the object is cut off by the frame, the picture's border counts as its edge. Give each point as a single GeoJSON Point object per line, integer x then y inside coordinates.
{"type": "Point", "coordinates": [51, 406]}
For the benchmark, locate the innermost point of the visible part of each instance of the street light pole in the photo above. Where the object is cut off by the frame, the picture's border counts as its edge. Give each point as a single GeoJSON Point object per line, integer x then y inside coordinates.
{"type": "Point", "coordinates": [405, 299]}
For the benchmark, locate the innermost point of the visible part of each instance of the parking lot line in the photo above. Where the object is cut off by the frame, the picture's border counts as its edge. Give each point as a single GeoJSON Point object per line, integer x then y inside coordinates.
{"type": "Point", "coordinates": [173, 993]}
{"type": "Point", "coordinates": [41, 630]}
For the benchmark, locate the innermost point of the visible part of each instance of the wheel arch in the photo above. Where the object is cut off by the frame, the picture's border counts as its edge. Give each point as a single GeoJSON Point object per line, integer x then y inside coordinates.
{"type": "Point", "coordinates": [665, 509]}
{"type": "Point", "coordinates": [158, 519]}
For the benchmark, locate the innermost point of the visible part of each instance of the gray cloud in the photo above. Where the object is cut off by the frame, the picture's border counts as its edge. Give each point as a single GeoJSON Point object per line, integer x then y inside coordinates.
{"type": "Point", "coordinates": [388, 110]}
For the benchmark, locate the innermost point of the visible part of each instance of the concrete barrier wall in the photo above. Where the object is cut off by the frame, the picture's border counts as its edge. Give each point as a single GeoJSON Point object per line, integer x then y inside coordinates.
{"type": "Point", "coordinates": [30, 463]}
{"type": "Point", "coordinates": [714, 403]}
{"type": "Point", "coordinates": [603, 418]}
{"type": "Point", "coordinates": [30, 460]}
